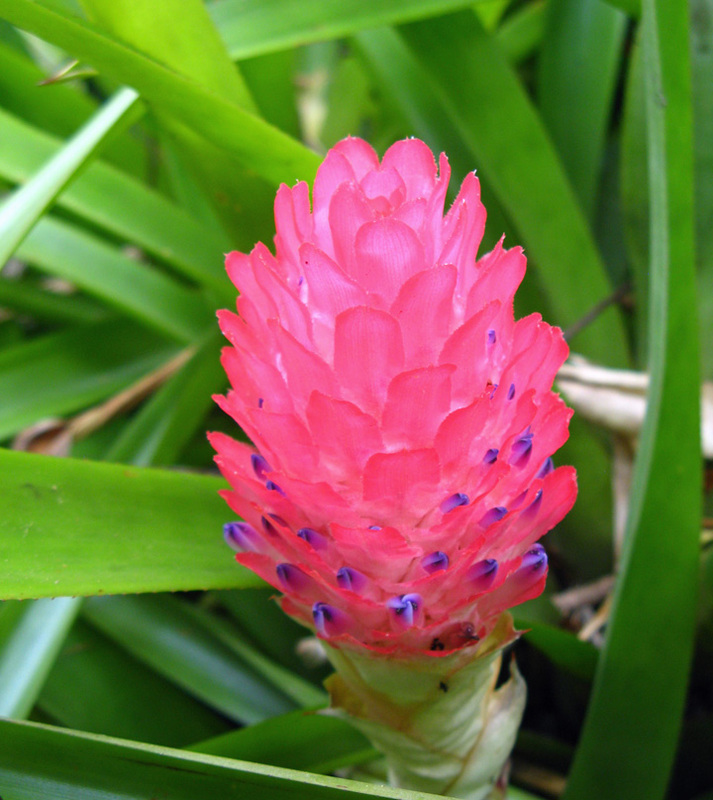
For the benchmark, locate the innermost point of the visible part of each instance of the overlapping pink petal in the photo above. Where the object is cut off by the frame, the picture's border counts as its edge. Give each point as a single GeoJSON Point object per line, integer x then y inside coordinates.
{"type": "Point", "coordinates": [402, 420]}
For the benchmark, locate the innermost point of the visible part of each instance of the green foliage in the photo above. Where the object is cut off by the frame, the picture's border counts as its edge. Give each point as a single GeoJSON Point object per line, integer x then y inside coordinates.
{"type": "Point", "coordinates": [590, 126]}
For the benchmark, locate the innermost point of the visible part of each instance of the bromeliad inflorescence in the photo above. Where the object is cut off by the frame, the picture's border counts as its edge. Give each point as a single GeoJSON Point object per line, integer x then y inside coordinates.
{"type": "Point", "coordinates": [403, 422]}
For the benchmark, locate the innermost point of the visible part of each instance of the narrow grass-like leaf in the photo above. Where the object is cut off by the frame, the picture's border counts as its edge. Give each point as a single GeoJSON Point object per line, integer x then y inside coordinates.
{"type": "Point", "coordinates": [255, 27]}
{"type": "Point", "coordinates": [300, 740]}
{"type": "Point", "coordinates": [657, 586]}
{"type": "Point", "coordinates": [119, 204]}
{"type": "Point", "coordinates": [299, 691]}
{"type": "Point", "coordinates": [489, 109]}
{"type": "Point", "coordinates": [20, 211]}
{"type": "Point", "coordinates": [96, 686]}
{"type": "Point", "coordinates": [26, 297]}
{"type": "Point", "coordinates": [102, 270]}
{"type": "Point", "coordinates": [71, 527]}
{"type": "Point", "coordinates": [156, 435]}
{"type": "Point", "coordinates": [564, 649]}
{"type": "Point", "coordinates": [59, 373]}
{"type": "Point", "coordinates": [522, 31]}
{"type": "Point", "coordinates": [39, 761]}
{"type": "Point", "coordinates": [28, 652]}
{"type": "Point", "coordinates": [267, 151]}
{"type": "Point", "coordinates": [578, 69]}
{"type": "Point", "coordinates": [59, 109]}
{"type": "Point", "coordinates": [161, 631]}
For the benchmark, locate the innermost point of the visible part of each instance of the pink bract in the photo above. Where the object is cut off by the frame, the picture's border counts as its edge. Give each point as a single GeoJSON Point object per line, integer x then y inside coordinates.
{"type": "Point", "coordinates": [403, 421]}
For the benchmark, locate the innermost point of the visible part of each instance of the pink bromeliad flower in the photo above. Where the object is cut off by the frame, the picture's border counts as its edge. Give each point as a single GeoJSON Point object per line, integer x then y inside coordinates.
{"type": "Point", "coordinates": [403, 422]}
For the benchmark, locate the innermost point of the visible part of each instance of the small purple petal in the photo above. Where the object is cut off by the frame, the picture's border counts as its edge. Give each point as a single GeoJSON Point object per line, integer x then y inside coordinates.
{"type": "Point", "coordinates": [495, 389]}
{"type": "Point", "coordinates": [511, 391]}
{"type": "Point", "coordinates": [518, 501]}
{"type": "Point", "coordinates": [374, 527]}
{"type": "Point", "coordinates": [273, 487]}
{"type": "Point", "coordinates": [548, 465]}
{"type": "Point", "coordinates": [328, 620]}
{"type": "Point", "coordinates": [260, 466]}
{"type": "Point", "coordinates": [435, 561]}
{"type": "Point", "coordinates": [405, 608]}
{"type": "Point", "coordinates": [492, 338]}
{"type": "Point", "coordinates": [313, 538]}
{"type": "Point", "coordinates": [352, 579]}
{"type": "Point", "coordinates": [301, 280]}
{"type": "Point", "coordinates": [491, 456]}
{"type": "Point", "coordinates": [493, 515]}
{"type": "Point", "coordinates": [241, 536]}
{"type": "Point", "coordinates": [278, 519]}
{"type": "Point", "coordinates": [260, 402]}
{"type": "Point", "coordinates": [482, 574]}
{"type": "Point", "coordinates": [455, 500]}
{"type": "Point", "coordinates": [292, 577]}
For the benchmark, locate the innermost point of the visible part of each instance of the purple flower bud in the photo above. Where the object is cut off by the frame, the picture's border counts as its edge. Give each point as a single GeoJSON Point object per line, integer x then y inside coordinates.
{"type": "Point", "coordinates": [405, 609]}
{"type": "Point", "coordinates": [329, 620]}
{"type": "Point", "coordinates": [533, 508]}
{"type": "Point", "coordinates": [241, 536]}
{"type": "Point", "coordinates": [260, 402]}
{"type": "Point", "coordinates": [453, 501]}
{"type": "Point", "coordinates": [482, 574]}
{"type": "Point", "coordinates": [492, 338]}
{"type": "Point", "coordinates": [511, 391]}
{"type": "Point", "coordinates": [292, 577]}
{"type": "Point", "coordinates": [493, 515]}
{"type": "Point", "coordinates": [316, 540]}
{"type": "Point", "coordinates": [435, 561]}
{"type": "Point", "coordinates": [351, 579]}
{"type": "Point", "coordinates": [268, 527]}
{"type": "Point", "coordinates": [491, 456]}
{"type": "Point", "coordinates": [374, 527]}
{"type": "Point", "coordinates": [521, 449]}
{"type": "Point", "coordinates": [534, 560]}
{"type": "Point", "coordinates": [273, 487]}
{"type": "Point", "coordinates": [260, 466]}
{"type": "Point", "coordinates": [548, 465]}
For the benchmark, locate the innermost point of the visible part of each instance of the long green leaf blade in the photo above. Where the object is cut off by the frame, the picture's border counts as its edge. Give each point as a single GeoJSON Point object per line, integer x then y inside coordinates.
{"type": "Point", "coordinates": [635, 712]}
{"type": "Point", "coordinates": [80, 528]}
{"type": "Point", "coordinates": [28, 653]}
{"type": "Point", "coordinates": [20, 212]}
{"type": "Point", "coordinates": [269, 152]}
{"type": "Point", "coordinates": [38, 761]}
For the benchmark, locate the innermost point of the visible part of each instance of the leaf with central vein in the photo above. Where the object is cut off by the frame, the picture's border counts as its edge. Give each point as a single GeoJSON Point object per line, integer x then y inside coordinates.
{"type": "Point", "coordinates": [264, 149]}
{"type": "Point", "coordinates": [82, 528]}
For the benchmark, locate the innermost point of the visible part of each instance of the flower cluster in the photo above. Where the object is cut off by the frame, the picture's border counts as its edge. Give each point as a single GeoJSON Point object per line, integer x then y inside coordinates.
{"type": "Point", "coordinates": [403, 422]}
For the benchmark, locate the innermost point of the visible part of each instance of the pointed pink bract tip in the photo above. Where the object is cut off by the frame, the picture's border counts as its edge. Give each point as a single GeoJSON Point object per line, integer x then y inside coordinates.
{"type": "Point", "coordinates": [403, 421]}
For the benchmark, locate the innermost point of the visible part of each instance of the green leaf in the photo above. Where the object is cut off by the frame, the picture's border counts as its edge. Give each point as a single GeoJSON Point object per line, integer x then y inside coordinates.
{"type": "Point", "coordinates": [487, 107]}
{"type": "Point", "coordinates": [29, 650]}
{"type": "Point", "coordinates": [119, 204]}
{"type": "Point", "coordinates": [81, 528]}
{"type": "Point", "coordinates": [267, 151]}
{"type": "Point", "coordinates": [59, 109]}
{"type": "Point", "coordinates": [60, 373]}
{"type": "Point", "coordinates": [657, 586]}
{"type": "Point", "coordinates": [39, 761]}
{"type": "Point", "coordinates": [161, 631]}
{"type": "Point", "coordinates": [20, 211]}
{"type": "Point", "coordinates": [564, 649]}
{"type": "Point", "coordinates": [26, 297]}
{"type": "Point", "coordinates": [254, 27]}
{"type": "Point", "coordinates": [578, 70]}
{"type": "Point", "coordinates": [102, 270]}
{"type": "Point", "coordinates": [157, 433]}
{"type": "Point", "coordinates": [120, 696]}
{"type": "Point", "coordinates": [300, 740]}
